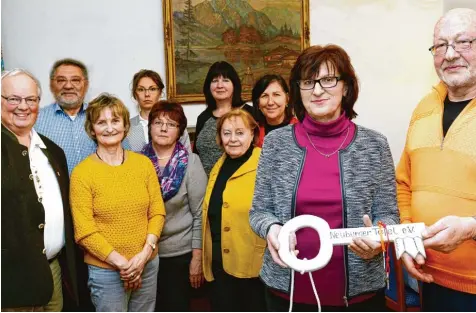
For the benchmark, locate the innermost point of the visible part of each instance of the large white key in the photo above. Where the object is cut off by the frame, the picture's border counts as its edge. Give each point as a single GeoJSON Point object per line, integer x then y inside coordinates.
{"type": "Point", "coordinates": [407, 238]}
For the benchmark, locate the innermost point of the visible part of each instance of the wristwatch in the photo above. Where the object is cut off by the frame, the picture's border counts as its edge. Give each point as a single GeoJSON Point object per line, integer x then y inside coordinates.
{"type": "Point", "coordinates": [152, 245]}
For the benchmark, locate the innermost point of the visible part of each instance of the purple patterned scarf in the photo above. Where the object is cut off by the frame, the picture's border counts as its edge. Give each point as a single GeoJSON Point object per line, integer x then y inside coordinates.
{"type": "Point", "coordinates": [174, 172]}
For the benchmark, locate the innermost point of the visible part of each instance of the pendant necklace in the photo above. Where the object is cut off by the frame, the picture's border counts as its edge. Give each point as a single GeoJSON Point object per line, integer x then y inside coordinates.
{"type": "Point", "coordinates": [327, 155]}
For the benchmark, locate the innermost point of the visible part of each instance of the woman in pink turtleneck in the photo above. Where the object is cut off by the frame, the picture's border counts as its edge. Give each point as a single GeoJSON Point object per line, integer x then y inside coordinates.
{"type": "Point", "coordinates": [345, 175]}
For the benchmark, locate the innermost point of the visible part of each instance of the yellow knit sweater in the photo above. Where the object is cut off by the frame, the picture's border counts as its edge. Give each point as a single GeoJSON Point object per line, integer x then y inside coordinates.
{"type": "Point", "coordinates": [436, 177]}
{"type": "Point", "coordinates": [115, 207]}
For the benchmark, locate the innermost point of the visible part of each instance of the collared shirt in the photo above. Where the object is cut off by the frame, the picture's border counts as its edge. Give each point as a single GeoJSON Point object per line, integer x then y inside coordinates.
{"type": "Point", "coordinates": [49, 194]}
{"type": "Point", "coordinates": [145, 124]}
{"type": "Point", "coordinates": [66, 132]}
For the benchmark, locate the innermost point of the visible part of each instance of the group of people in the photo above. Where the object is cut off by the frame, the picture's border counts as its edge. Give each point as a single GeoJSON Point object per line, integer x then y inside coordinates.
{"type": "Point", "coordinates": [126, 213]}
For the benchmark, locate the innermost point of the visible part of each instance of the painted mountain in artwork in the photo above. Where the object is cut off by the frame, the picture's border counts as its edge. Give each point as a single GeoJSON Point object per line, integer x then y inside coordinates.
{"type": "Point", "coordinates": [255, 42]}
{"type": "Point", "coordinates": [283, 17]}
{"type": "Point", "coordinates": [212, 18]}
{"type": "Point", "coordinates": [220, 15]}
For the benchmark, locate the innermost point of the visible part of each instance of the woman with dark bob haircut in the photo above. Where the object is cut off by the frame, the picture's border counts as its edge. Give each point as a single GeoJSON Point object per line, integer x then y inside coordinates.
{"type": "Point", "coordinates": [329, 167]}
{"type": "Point", "coordinates": [222, 90]}
{"type": "Point", "coordinates": [146, 88]}
{"type": "Point", "coordinates": [182, 182]}
{"type": "Point", "coordinates": [270, 97]}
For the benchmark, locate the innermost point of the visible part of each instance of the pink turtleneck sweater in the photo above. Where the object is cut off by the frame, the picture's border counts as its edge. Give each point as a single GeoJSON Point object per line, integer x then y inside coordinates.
{"type": "Point", "coordinates": [319, 193]}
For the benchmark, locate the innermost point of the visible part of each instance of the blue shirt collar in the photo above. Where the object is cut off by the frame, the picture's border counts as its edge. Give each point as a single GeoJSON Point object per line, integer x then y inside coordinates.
{"type": "Point", "coordinates": [57, 108]}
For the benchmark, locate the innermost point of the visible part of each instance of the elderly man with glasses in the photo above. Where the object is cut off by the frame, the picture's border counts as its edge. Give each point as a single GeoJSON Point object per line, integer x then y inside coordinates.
{"type": "Point", "coordinates": [38, 252]}
{"type": "Point", "coordinates": [436, 176]}
{"type": "Point", "coordinates": [63, 121]}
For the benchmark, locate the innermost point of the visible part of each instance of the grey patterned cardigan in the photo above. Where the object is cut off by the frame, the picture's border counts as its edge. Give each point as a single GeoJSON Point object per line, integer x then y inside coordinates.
{"type": "Point", "coordinates": [368, 187]}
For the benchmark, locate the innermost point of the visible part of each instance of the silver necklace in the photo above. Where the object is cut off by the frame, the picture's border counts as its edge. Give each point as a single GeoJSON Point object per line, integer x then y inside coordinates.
{"type": "Point", "coordinates": [162, 158]}
{"type": "Point", "coordinates": [325, 154]}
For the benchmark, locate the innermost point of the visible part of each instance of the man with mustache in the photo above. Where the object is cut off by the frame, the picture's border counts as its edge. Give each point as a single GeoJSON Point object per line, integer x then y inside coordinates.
{"type": "Point", "coordinates": [38, 255]}
{"type": "Point", "coordinates": [436, 176]}
{"type": "Point", "coordinates": [63, 121]}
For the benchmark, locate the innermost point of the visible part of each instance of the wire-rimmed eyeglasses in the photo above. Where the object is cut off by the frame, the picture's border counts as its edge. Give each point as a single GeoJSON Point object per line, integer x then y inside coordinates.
{"type": "Point", "coordinates": [62, 81]}
{"type": "Point", "coordinates": [458, 46]}
{"type": "Point", "coordinates": [150, 90]}
{"type": "Point", "coordinates": [14, 100]}
{"type": "Point", "coordinates": [168, 125]}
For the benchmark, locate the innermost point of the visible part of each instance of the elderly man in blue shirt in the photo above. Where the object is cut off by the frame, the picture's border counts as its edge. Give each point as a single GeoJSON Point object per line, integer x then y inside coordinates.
{"type": "Point", "coordinates": [63, 121]}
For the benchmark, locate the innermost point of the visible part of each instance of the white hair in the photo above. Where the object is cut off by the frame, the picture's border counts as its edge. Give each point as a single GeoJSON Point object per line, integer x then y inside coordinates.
{"type": "Point", "coordinates": [461, 14]}
{"type": "Point", "coordinates": [20, 71]}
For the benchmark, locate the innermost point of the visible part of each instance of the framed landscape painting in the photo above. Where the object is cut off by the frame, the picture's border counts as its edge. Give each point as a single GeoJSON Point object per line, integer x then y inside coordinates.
{"type": "Point", "coordinates": [257, 37]}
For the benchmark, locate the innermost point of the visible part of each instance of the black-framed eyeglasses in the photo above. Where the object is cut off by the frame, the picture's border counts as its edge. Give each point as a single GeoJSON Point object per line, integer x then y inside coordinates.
{"type": "Point", "coordinates": [169, 125]}
{"type": "Point", "coordinates": [14, 100]}
{"type": "Point", "coordinates": [458, 46]}
{"type": "Point", "coordinates": [324, 82]}
{"type": "Point", "coordinates": [62, 81]}
{"type": "Point", "coordinates": [150, 90]}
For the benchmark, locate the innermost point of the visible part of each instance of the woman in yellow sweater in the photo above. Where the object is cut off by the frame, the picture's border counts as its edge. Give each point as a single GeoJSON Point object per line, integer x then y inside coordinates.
{"type": "Point", "coordinates": [118, 213]}
{"type": "Point", "coordinates": [232, 252]}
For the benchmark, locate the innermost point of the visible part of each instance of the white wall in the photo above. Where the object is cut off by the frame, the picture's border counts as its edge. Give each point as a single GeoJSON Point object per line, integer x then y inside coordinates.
{"type": "Point", "coordinates": [113, 38]}
{"type": "Point", "coordinates": [387, 40]}
{"type": "Point", "coordinates": [451, 4]}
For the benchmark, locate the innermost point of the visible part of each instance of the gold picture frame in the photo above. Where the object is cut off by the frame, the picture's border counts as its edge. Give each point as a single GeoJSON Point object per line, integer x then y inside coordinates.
{"type": "Point", "coordinates": [256, 36]}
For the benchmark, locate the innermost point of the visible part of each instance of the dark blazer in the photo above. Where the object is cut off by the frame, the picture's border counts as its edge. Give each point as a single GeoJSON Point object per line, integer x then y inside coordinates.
{"type": "Point", "coordinates": [26, 275]}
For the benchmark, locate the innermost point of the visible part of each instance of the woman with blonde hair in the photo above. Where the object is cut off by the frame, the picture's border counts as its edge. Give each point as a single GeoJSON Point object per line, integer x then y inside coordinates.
{"type": "Point", "coordinates": [118, 213]}
{"type": "Point", "coordinates": [232, 253]}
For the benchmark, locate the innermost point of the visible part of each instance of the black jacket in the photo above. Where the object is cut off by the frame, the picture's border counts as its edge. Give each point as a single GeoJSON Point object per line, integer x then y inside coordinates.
{"type": "Point", "coordinates": [26, 274]}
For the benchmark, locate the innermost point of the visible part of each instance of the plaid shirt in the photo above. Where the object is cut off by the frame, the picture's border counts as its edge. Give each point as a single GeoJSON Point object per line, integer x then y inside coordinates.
{"type": "Point", "coordinates": [67, 133]}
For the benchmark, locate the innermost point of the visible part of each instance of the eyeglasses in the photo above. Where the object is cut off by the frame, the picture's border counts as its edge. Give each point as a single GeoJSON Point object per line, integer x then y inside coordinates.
{"type": "Point", "coordinates": [151, 89]}
{"type": "Point", "coordinates": [324, 82]}
{"type": "Point", "coordinates": [167, 124]}
{"type": "Point", "coordinates": [458, 46]}
{"type": "Point", "coordinates": [30, 101]}
{"type": "Point", "coordinates": [62, 81]}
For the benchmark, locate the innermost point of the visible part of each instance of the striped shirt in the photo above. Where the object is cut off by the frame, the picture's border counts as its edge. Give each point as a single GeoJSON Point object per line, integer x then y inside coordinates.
{"type": "Point", "coordinates": [66, 132]}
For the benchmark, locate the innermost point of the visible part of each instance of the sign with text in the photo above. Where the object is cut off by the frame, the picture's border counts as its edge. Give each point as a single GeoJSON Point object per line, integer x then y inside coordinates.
{"type": "Point", "coordinates": [344, 236]}
{"type": "Point", "coordinates": [407, 238]}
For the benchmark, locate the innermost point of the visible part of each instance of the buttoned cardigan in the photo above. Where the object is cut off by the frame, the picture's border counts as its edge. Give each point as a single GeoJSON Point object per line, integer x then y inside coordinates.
{"type": "Point", "coordinates": [26, 274]}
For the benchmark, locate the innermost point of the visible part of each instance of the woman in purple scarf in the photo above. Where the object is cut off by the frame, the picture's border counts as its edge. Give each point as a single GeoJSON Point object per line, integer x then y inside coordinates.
{"type": "Point", "coordinates": [182, 182]}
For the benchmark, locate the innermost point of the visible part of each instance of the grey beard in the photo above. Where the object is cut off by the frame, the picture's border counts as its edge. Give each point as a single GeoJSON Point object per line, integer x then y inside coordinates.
{"type": "Point", "coordinates": [69, 104]}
